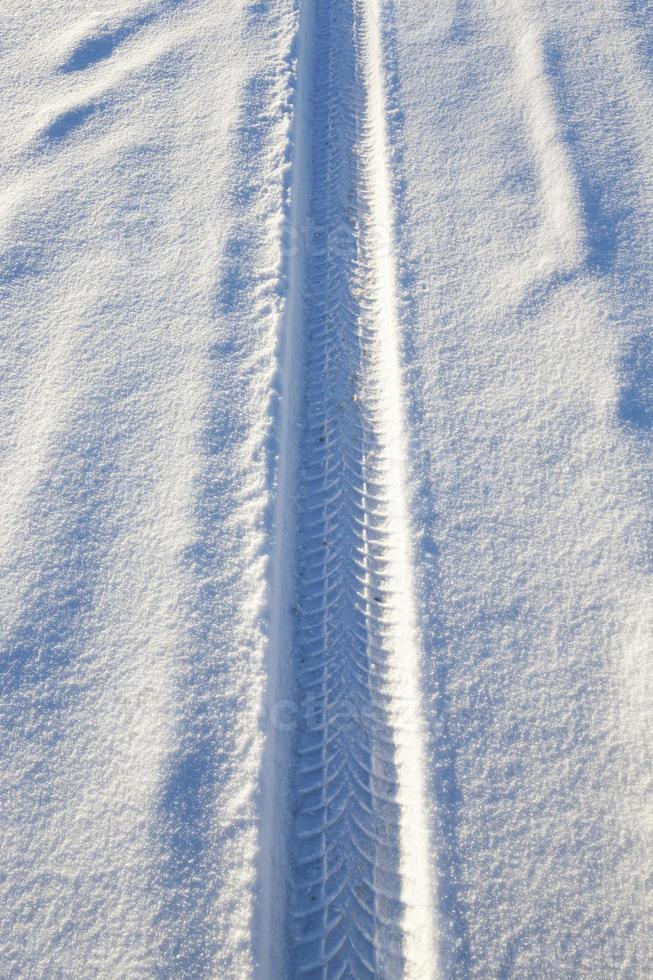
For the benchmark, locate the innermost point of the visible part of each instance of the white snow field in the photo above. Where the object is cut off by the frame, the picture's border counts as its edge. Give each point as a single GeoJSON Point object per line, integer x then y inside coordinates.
{"type": "Point", "coordinates": [326, 507]}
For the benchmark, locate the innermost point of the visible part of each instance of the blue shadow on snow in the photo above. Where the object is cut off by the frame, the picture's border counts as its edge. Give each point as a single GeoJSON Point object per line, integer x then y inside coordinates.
{"type": "Point", "coordinates": [636, 397]}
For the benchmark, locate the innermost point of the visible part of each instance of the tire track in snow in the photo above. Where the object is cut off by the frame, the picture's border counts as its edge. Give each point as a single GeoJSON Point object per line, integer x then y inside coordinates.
{"type": "Point", "coordinates": [359, 900]}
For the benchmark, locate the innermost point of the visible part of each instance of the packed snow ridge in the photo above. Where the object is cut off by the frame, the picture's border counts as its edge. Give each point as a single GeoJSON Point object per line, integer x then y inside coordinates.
{"type": "Point", "coordinates": [326, 538]}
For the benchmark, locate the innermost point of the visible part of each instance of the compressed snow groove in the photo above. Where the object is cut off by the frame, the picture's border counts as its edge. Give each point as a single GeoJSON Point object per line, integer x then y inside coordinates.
{"type": "Point", "coordinates": [347, 905]}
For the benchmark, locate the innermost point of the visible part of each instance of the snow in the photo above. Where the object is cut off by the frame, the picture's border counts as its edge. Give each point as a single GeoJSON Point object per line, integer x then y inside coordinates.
{"type": "Point", "coordinates": [523, 234]}
{"type": "Point", "coordinates": [139, 330]}
{"type": "Point", "coordinates": [160, 178]}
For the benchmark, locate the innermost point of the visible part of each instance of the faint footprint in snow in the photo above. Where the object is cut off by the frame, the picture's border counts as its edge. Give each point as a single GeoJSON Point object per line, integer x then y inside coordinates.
{"type": "Point", "coordinates": [105, 35]}
{"type": "Point", "coordinates": [94, 41]}
{"type": "Point", "coordinates": [65, 122]}
{"type": "Point", "coordinates": [100, 45]}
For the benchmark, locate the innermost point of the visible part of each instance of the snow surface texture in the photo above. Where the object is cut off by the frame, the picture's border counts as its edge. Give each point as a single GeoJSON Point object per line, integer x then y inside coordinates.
{"type": "Point", "coordinates": [140, 268]}
{"type": "Point", "coordinates": [327, 364]}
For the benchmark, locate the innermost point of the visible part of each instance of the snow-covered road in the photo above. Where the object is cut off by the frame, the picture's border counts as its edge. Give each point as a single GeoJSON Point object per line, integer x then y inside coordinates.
{"type": "Point", "coordinates": [325, 527]}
